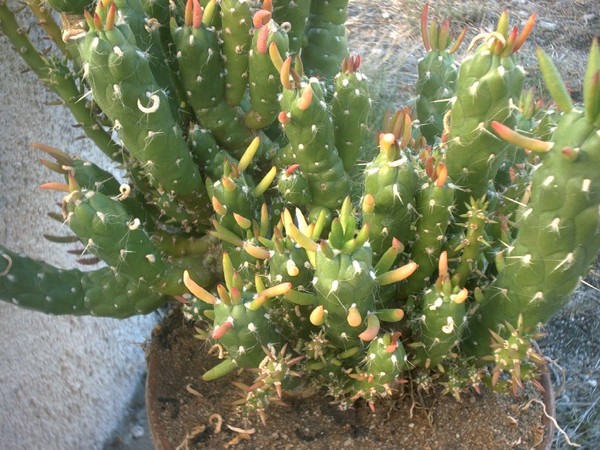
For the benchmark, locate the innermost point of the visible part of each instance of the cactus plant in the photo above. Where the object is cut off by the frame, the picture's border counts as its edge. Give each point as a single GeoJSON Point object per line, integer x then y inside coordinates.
{"type": "Point", "coordinates": [247, 197]}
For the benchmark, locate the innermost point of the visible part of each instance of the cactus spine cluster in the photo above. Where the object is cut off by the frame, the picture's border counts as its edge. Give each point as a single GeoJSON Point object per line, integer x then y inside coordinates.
{"type": "Point", "coordinates": [251, 197]}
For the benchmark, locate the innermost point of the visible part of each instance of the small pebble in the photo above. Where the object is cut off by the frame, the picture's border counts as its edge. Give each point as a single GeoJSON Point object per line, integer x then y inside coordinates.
{"type": "Point", "coordinates": [592, 382]}
{"type": "Point", "coordinates": [137, 431]}
{"type": "Point", "coordinates": [548, 26]}
{"type": "Point", "coordinates": [589, 16]}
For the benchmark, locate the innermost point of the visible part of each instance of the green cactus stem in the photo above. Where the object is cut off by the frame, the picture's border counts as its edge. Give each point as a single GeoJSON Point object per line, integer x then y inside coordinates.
{"type": "Point", "coordinates": [201, 70]}
{"type": "Point", "coordinates": [434, 204]}
{"type": "Point", "coordinates": [294, 12]}
{"type": "Point", "coordinates": [489, 85]}
{"type": "Point", "coordinates": [391, 183]}
{"type": "Point", "coordinates": [236, 20]}
{"type": "Point", "coordinates": [139, 111]}
{"type": "Point", "coordinates": [37, 285]}
{"type": "Point", "coordinates": [384, 365]}
{"type": "Point", "coordinates": [306, 121]}
{"type": "Point", "coordinates": [326, 44]}
{"type": "Point", "coordinates": [350, 109]}
{"type": "Point", "coordinates": [438, 71]}
{"type": "Point", "coordinates": [240, 320]}
{"type": "Point", "coordinates": [443, 318]}
{"type": "Point", "coordinates": [148, 39]}
{"type": "Point", "coordinates": [558, 235]}
{"type": "Point", "coordinates": [264, 82]}
{"type": "Point", "coordinates": [89, 176]}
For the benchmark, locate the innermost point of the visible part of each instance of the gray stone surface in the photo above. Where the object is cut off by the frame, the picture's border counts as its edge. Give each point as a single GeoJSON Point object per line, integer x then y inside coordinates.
{"type": "Point", "coordinates": [65, 381]}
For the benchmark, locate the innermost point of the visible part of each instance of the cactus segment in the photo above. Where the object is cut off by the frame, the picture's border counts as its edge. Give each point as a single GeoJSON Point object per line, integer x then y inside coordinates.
{"type": "Point", "coordinates": [443, 319]}
{"type": "Point", "coordinates": [489, 84]}
{"type": "Point", "coordinates": [200, 69]}
{"type": "Point", "coordinates": [350, 109]}
{"type": "Point", "coordinates": [139, 111]}
{"type": "Point", "coordinates": [211, 159]}
{"type": "Point", "coordinates": [473, 241]}
{"type": "Point", "coordinates": [39, 286]}
{"type": "Point", "coordinates": [391, 182]}
{"type": "Point", "coordinates": [326, 44]}
{"type": "Point", "coordinates": [434, 204]}
{"type": "Point", "coordinates": [147, 38]}
{"type": "Point", "coordinates": [101, 222]}
{"type": "Point", "coordinates": [383, 365]}
{"type": "Point", "coordinates": [89, 176]}
{"type": "Point", "coordinates": [438, 72]}
{"type": "Point", "coordinates": [558, 233]}
{"type": "Point", "coordinates": [543, 265]}
{"type": "Point", "coordinates": [241, 324]}
{"type": "Point", "coordinates": [264, 76]}
{"type": "Point", "coordinates": [294, 12]}
{"type": "Point", "coordinates": [312, 145]}
{"type": "Point", "coordinates": [236, 23]}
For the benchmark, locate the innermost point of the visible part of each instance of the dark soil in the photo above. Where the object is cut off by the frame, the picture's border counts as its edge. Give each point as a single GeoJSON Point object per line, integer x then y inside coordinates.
{"type": "Point", "coordinates": [185, 410]}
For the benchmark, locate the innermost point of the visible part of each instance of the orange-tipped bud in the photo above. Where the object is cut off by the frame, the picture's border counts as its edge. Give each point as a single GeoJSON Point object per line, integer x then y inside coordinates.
{"type": "Point", "coordinates": [527, 29]}
{"type": "Point", "coordinates": [236, 295]}
{"type": "Point", "coordinates": [228, 184]}
{"type": "Point", "coordinates": [442, 174]}
{"type": "Point", "coordinates": [318, 315]}
{"type": "Point", "coordinates": [197, 290]}
{"type": "Point", "coordinates": [306, 98]}
{"type": "Point", "coordinates": [399, 274]}
{"type": "Point", "coordinates": [372, 330]}
{"type": "Point", "coordinates": [354, 318]}
{"type": "Point", "coordinates": [425, 27]}
{"type": "Point", "coordinates": [391, 348]}
{"type": "Point", "coordinates": [223, 294]}
{"type": "Point", "coordinates": [459, 40]}
{"type": "Point", "coordinates": [283, 117]}
{"type": "Point", "coordinates": [189, 14]}
{"type": "Point", "coordinates": [220, 331]}
{"type": "Point", "coordinates": [110, 17]}
{"type": "Point", "coordinates": [460, 297]}
{"type": "Point", "coordinates": [267, 5]}
{"type": "Point", "coordinates": [54, 186]}
{"type": "Point", "coordinates": [278, 289]}
{"type": "Point", "coordinates": [242, 221]}
{"type": "Point", "coordinates": [284, 72]}
{"type": "Point", "coordinates": [443, 265]}
{"type": "Point", "coordinates": [256, 252]}
{"type": "Point", "coordinates": [97, 21]}
{"type": "Point", "coordinates": [197, 15]}
{"type": "Point", "coordinates": [219, 208]}
{"type": "Point", "coordinates": [291, 169]}
{"type": "Point", "coordinates": [512, 137]}
{"type": "Point", "coordinates": [263, 39]}
{"type": "Point", "coordinates": [261, 18]}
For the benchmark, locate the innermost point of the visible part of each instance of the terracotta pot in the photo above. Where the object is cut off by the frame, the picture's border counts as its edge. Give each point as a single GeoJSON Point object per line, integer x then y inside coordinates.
{"type": "Point", "coordinates": [180, 406]}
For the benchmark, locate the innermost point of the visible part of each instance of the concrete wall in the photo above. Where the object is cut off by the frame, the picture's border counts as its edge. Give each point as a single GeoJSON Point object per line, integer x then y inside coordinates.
{"type": "Point", "coordinates": [64, 381]}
